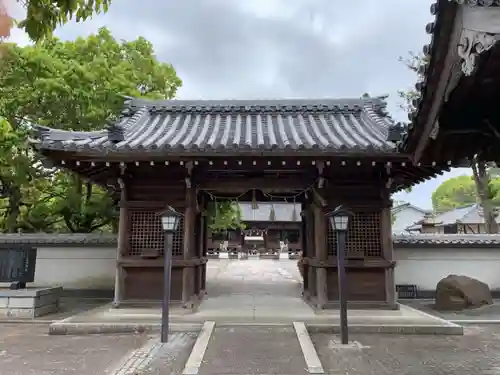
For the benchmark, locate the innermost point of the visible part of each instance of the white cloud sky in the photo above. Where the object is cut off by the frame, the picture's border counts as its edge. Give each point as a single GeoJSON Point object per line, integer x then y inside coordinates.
{"type": "Point", "coordinates": [278, 48]}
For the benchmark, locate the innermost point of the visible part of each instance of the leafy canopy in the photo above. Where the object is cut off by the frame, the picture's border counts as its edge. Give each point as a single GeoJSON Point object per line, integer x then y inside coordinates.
{"type": "Point", "coordinates": [43, 16]}
{"type": "Point", "coordinates": [460, 191]}
{"type": "Point", "coordinates": [224, 215]}
{"type": "Point", "coordinates": [78, 85]}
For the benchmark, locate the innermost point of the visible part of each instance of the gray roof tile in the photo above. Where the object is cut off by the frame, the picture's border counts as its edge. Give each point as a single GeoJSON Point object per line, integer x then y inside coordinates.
{"type": "Point", "coordinates": [184, 126]}
{"type": "Point", "coordinates": [96, 239]}
{"type": "Point", "coordinates": [457, 240]}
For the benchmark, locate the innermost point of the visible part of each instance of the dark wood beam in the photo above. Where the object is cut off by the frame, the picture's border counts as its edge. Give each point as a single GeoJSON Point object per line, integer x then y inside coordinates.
{"type": "Point", "coordinates": [265, 183]}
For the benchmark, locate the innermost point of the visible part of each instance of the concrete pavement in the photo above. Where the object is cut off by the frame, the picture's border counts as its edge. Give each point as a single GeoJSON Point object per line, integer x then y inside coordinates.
{"type": "Point", "coordinates": [476, 352]}
{"type": "Point", "coordinates": [251, 292]}
{"type": "Point", "coordinates": [26, 349]}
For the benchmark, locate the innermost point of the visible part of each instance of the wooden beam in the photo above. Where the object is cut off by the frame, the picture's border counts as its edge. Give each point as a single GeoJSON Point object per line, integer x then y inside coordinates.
{"type": "Point", "coordinates": [267, 183]}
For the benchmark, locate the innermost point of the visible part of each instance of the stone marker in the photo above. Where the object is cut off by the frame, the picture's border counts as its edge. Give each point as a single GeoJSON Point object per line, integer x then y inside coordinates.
{"type": "Point", "coordinates": [456, 292]}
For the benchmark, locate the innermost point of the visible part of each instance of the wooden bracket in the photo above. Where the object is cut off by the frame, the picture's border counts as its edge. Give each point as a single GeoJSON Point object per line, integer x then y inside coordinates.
{"type": "Point", "coordinates": [189, 168]}
{"type": "Point", "coordinates": [319, 198]}
{"type": "Point", "coordinates": [320, 166]}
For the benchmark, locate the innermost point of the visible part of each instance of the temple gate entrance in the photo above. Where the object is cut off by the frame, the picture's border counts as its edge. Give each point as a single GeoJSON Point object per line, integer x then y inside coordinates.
{"type": "Point", "coordinates": [250, 265]}
{"type": "Point", "coordinates": [319, 153]}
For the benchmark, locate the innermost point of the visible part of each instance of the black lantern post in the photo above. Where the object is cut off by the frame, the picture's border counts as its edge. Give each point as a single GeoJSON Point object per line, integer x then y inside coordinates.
{"type": "Point", "coordinates": [170, 222]}
{"type": "Point", "coordinates": [339, 221]}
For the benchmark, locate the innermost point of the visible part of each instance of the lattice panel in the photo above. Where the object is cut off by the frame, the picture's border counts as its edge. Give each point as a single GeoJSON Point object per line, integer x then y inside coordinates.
{"type": "Point", "coordinates": [146, 234]}
{"type": "Point", "coordinates": [363, 236]}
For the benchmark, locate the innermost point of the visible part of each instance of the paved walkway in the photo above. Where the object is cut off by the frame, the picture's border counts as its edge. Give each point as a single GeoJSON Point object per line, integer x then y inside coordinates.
{"type": "Point", "coordinates": [483, 314]}
{"type": "Point", "coordinates": [26, 349]}
{"type": "Point", "coordinates": [253, 350]}
{"type": "Point", "coordinates": [249, 291]}
{"type": "Point", "coordinates": [475, 353]}
{"type": "Point", "coordinates": [253, 290]}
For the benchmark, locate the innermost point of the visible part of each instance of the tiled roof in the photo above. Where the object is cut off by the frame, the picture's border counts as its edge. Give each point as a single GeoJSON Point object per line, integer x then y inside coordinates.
{"type": "Point", "coordinates": [456, 240]}
{"type": "Point", "coordinates": [326, 125]}
{"type": "Point", "coordinates": [58, 239]}
{"type": "Point", "coordinates": [401, 207]}
{"type": "Point", "coordinates": [441, 30]}
{"type": "Point", "coordinates": [283, 212]}
{"type": "Point", "coordinates": [96, 239]}
{"type": "Point", "coordinates": [471, 214]}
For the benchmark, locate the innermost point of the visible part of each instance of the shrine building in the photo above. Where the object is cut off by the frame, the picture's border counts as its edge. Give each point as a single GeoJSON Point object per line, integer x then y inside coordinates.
{"type": "Point", "coordinates": [316, 153]}
{"type": "Point", "coordinates": [275, 222]}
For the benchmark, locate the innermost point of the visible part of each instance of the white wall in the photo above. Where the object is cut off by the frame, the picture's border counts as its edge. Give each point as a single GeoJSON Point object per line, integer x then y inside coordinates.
{"type": "Point", "coordinates": [93, 268]}
{"type": "Point", "coordinates": [75, 267]}
{"type": "Point", "coordinates": [406, 217]}
{"type": "Point", "coordinates": [424, 267]}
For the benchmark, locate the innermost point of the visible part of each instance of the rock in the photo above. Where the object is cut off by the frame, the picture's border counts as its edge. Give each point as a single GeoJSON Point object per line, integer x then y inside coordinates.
{"type": "Point", "coordinates": [456, 292]}
{"type": "Point", "coordinates": [300, 265]}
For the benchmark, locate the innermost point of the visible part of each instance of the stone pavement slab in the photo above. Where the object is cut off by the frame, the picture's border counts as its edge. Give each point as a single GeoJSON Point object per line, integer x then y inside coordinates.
{"type": "Point", "coordinates": [249, 291]}
{"type": "Point", "coordinates": [253, 350]}
{"type": "Point", "coordinates": [26, 349]}
{"type": "Point", "coordinates": [477, 353]}
{"type": "Point", "coordinates": [484, 313]}
{"type": "Point", "coordinates": [168, 358]}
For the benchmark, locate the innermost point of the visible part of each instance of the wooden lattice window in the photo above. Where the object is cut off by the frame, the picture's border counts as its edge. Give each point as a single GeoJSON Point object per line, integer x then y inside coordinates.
{"type": "Point", "coordinates": [363, 236]}
{"type": "Point", "coordinates": [147, 237]}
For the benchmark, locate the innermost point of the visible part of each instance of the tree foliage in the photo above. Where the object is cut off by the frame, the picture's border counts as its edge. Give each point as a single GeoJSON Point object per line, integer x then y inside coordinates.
{"type": "Point", "coordinates": [44, 16]}
{"type": "Point", "coordinates": [77, 85]}
{"type": "Point", "coordinates": [460, 191]}
{"type": "Point", "coordinates": [224, 215]}
{"type": "Point", "coordinates": [413, 62]}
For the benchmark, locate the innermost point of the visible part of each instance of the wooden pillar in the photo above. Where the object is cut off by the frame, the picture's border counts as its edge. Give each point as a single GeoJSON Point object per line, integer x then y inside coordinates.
{"type": "Point", "coordinates": [321, 254]}
{"type": "Point", "coordinates": [304, 245]}
{"type": "Point", "coordinates": [201, 253]}
{"type": "Point", "coordinates": [188, 275]}
{"type": "Point", "coordinates": [388, 252]}
{"type": "Point", "coordinates": [310, 253]}
{"type": "Point", "coordinates": [121, 245]}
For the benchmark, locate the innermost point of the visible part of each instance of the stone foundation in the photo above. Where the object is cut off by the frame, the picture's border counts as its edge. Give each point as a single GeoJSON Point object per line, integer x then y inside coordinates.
{"type": "Point", "coordinates": [29, 302]}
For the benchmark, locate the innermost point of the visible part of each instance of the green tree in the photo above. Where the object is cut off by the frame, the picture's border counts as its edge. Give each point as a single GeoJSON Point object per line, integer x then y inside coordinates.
{"type": "Point", "coordinates": [43, 16]}
{"type": "Point", "coordinates": [83, 208]}
{"type": "Point", "coordinates": [413, 62]}
{"type": "Point", "coordinates": [460, 191]}
{"type": "Point", "coordinates": [454, 192]}
{"type": "Point", "coordinates": [224, 215]}
{"type": "Point", "coordinates": [17, 172]}
{"type": "Point", "coordinates": [78, 85]}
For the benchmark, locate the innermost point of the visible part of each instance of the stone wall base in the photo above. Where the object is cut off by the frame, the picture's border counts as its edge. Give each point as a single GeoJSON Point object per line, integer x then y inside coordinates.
{"type": "Point", "coordinates": [29, 302]}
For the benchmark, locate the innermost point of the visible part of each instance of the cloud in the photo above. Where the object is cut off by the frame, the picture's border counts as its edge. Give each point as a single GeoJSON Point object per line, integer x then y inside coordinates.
{"type": "Point", "coordinates": [276, 48]}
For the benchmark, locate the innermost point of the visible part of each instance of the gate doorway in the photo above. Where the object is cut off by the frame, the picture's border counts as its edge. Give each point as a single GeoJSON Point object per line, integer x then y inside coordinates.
{"type": "Point", "coordinates": [253, 265]}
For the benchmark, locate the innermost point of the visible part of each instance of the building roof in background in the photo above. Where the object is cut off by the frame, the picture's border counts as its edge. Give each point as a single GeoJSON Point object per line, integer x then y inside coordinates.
{"type": "Point", "coordinates": [182, 126]}
{"type": "Point", "coordinates": [470, 214]}
{"type": "Point", "coordinates": [283, 212]}
{"type": "Point", "coordinates": [403, 206]}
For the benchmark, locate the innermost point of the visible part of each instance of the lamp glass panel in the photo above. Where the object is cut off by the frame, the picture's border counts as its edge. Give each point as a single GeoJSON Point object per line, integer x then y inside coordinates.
{"type": "Point", "coordinates": [341, 222]}
{"type": "Point", "coordinates": [169, 222]}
